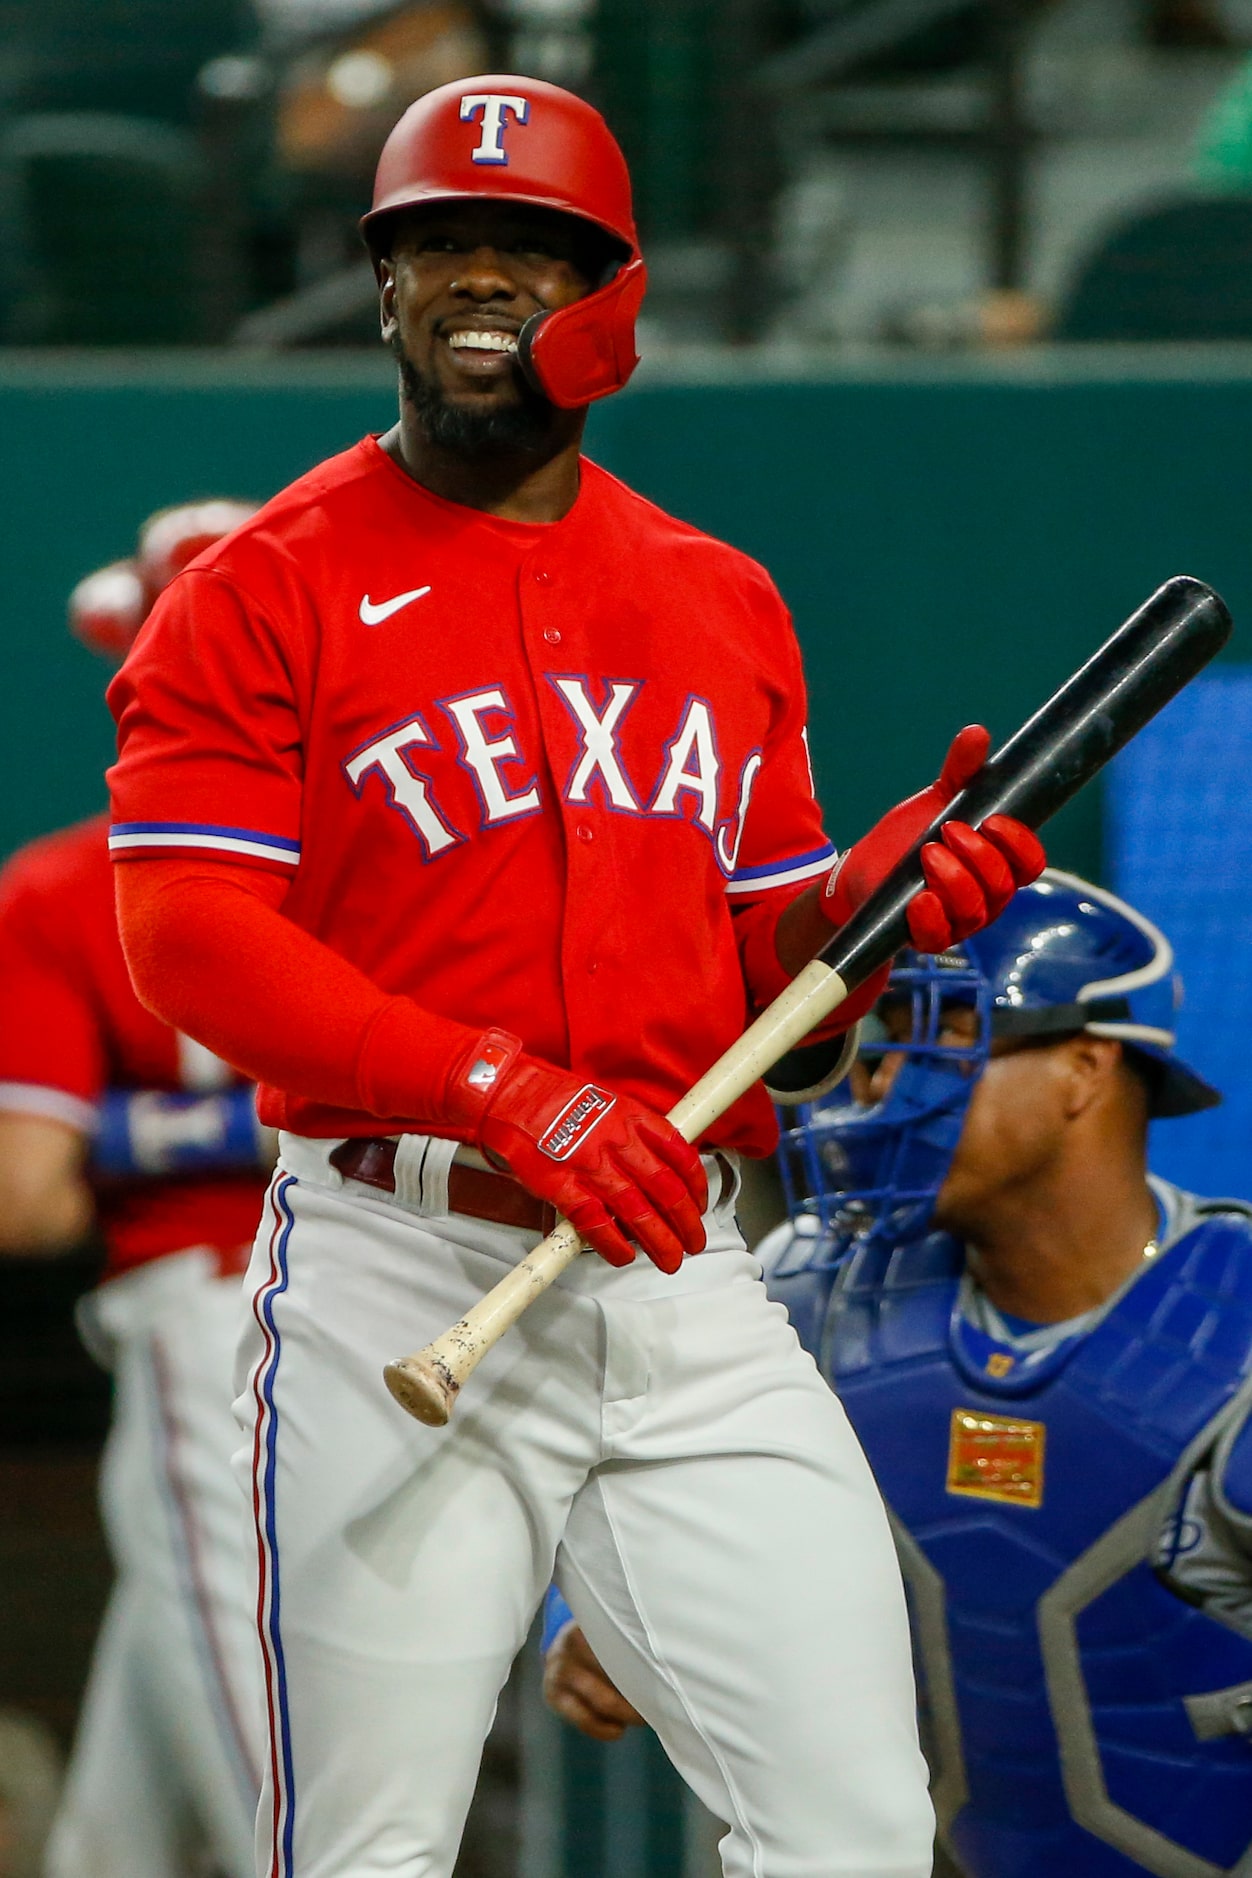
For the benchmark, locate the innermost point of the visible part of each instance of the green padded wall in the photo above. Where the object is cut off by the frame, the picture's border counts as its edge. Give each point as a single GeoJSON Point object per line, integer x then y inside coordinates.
{"type": "Point", "coordinates": [952, 541]}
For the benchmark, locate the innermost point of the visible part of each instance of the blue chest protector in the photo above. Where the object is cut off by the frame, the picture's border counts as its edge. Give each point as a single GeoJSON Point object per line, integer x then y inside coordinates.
{"type": "Point", "coordinates": [1059, 1674]}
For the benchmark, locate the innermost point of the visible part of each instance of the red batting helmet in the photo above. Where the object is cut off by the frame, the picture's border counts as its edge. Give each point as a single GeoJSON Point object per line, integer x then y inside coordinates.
{"type": "Point", "coordinates": [510, 139]}
{"type": "Point", "coordinates": [107, 608]}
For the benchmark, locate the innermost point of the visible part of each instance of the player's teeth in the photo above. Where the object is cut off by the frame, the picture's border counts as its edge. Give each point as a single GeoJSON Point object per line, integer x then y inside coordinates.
{"type": "Point", "coordinates": [484, 342]}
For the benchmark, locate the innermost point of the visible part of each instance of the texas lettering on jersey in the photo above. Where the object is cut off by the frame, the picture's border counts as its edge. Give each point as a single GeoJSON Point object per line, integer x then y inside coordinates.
{"type": "Point", "coordinates": [403, 761]}
{"type": "Point", "coordinates": [523, 773]}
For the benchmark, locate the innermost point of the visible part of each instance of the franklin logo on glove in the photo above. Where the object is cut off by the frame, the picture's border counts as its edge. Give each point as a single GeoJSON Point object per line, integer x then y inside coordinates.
{"type": "Point", "coordinates": [576, 1121]}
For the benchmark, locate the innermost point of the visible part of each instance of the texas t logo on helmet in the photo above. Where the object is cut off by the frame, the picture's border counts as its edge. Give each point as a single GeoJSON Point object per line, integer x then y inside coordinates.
{"type": "Point", "coordinates": [511, 139]}
{"type": "Point", "coordinates": [495, 108]}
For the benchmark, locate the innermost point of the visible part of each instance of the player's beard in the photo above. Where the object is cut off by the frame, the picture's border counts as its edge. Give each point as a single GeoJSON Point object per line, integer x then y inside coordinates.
{"type": "Point", "coordinates": [466, 431]}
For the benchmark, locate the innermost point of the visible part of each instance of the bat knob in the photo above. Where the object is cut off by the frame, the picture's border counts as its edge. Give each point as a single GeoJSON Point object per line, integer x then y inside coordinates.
{"type": "Point", "coordinates": [423, 1389]}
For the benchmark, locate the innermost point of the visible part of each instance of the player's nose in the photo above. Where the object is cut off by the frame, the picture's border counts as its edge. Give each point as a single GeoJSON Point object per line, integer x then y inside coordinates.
{"type": "Point", "coordinates": [485, 275]}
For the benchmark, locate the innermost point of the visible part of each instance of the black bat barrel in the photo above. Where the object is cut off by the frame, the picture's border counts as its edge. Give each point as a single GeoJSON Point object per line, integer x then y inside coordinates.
{"type": "Point", "coordinates": [1146, 662]}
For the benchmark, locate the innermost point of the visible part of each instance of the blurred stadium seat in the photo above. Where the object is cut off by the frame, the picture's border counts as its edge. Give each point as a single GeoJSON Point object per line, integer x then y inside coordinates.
{"type": "Point", "coordinates": [1180, 847]}
{"type": "Point", "coordinates": [100, 230]}
{"type": "Point", "coordinates": [1181, 270]}
{"type": "Point", "coordinates": [113, 226]}
{"type": "Point", "coordinates": [139, 57]}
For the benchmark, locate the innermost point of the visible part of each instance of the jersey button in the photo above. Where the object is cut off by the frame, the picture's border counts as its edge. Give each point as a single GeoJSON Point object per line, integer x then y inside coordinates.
{"type": "Point", "coordinates": [553, 635]}
{"type": "Point", "coordinates": [543, 577]}
{"type": "Point", "coordinates": [584, 832]}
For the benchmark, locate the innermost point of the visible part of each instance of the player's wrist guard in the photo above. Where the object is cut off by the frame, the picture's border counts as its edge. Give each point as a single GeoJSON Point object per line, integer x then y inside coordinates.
{"type": "Point", "coordinates": [835, 900]}
{"type": "Point", "coordinates": [476, 1076]}
{"type": "Point", "coordinates": [147, 1133]}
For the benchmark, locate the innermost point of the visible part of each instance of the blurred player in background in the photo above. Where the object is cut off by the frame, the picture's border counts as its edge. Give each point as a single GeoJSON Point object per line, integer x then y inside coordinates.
{"type": "Point", "coordinates": [1048, 1366]}
{"type": "Point", "coordinates": [108, 1118]}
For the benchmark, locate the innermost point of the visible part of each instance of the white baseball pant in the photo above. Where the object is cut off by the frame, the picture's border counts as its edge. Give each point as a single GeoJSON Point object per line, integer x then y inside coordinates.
{"type": "Point", "coordinates": [663, 1443]}
{"type": "Point", "coordinates": [166, 1762]}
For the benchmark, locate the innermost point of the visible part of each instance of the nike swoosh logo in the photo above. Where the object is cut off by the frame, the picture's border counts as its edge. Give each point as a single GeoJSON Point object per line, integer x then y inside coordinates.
{"type": "Point", "coordinates": [374, 615]}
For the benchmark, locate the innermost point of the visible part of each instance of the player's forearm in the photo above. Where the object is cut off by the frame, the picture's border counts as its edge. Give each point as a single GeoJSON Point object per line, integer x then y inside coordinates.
{"type": "Point", "coordinates": [802, 929]}
{"type": "Point", "coordinates": [209, 951]}
{"type": "Point", "coordinates": [45, 1202]}
{"type": "Point", "coordinates": [774, 945]}
{"type": "Point", "coordinates": [43, 1221]}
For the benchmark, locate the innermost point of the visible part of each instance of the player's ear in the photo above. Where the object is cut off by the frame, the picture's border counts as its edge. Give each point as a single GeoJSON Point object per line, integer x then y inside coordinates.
{"type": "Point", "coordinates": [387, 297]}
{"type": "Point", "coordinates": [1094, 1065]}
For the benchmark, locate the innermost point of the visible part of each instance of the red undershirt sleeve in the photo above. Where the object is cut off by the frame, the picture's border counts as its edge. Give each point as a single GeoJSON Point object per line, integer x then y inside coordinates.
{"type": "Point", "coordinates": [210, 952]}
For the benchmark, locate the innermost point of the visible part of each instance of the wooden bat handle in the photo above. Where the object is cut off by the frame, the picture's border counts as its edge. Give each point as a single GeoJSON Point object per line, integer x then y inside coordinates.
{"type": "Point", "coordinates": [428, 1383]}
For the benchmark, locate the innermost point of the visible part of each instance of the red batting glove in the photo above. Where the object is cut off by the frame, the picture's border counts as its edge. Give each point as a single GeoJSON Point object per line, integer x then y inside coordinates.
{"type": "Point", "coordinates": [971, 874]}
{"type": "Point", "coordinates": [612, 1167]}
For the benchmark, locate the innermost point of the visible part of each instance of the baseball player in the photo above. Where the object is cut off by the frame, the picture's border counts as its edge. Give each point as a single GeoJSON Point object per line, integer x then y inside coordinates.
{"type": "Point", "coordinates": [108, 1114]}
{"type": "Point", "coordinates": [463, 799]}
{"type": "Point", "coordinates": [1053, 1389]}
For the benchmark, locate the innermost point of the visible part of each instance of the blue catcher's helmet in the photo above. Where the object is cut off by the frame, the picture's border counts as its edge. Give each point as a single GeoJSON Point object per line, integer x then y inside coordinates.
{"type": "Point", "coordinates": [1064, 956]}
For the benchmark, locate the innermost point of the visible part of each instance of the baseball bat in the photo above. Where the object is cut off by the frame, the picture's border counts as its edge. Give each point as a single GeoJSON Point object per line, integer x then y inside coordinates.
{"type": "Point", "coordinates": [1150, 658]}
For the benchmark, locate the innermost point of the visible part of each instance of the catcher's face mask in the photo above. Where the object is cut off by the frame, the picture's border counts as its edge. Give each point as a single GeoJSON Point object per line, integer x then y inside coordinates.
{"type": "Point", "coordinates": [874, 1167]}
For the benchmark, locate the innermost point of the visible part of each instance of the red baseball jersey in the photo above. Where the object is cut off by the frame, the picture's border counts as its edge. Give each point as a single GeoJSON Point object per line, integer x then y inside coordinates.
{"type": "Point", "coordinates": [521, 773]}
{"type": "Point", "coordinates": [71, 1027]}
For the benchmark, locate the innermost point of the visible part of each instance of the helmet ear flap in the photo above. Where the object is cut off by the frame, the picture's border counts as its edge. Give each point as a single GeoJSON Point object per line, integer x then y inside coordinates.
{"type": "Point", "coordinates": [582, 352]}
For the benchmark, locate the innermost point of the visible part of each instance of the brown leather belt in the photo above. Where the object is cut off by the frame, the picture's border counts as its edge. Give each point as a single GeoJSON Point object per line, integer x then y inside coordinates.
{"type": "Point", "coordinates": [475, 1191]}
